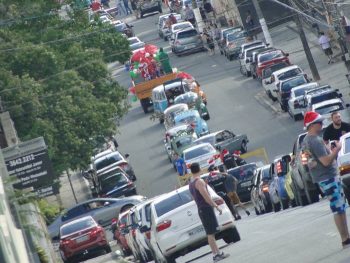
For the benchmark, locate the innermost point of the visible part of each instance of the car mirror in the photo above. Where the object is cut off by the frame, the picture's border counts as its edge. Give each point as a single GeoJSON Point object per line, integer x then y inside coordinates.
{"type": "Point", "coordinates": [340, 95]}
{"type": "Point", "coordinates": [127, 156]}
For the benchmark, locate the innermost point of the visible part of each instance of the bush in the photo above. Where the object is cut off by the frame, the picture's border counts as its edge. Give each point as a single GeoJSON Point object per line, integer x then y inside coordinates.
{"type": "Point", "coordinates": [49, 211]}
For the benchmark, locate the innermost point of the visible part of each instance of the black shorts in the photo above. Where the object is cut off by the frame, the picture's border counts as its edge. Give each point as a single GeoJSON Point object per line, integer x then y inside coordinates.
{"type": "Point", "coordinates": [328, 51]}
{"type": "Point", "coordinates": [209, 221]}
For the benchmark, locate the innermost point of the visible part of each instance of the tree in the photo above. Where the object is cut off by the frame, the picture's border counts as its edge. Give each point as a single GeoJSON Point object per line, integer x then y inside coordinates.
{"type": "Point", "coordinates": [54, 78]}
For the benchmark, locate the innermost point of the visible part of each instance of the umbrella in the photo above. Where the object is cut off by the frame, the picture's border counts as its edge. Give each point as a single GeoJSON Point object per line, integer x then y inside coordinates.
{"type": "Point", "coordinates": [138, 55]}
{"type": "Point", "coordinates": [151, 49]}
{"type": "Point", "coordinates": [184, 75]}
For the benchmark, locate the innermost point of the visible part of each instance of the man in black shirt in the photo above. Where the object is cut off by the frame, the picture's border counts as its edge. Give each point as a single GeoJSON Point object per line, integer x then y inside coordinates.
{"type": "Point", "coordinates": [336, 129]}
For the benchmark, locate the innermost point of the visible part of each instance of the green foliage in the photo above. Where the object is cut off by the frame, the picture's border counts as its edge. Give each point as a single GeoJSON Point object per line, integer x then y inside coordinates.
{"type": "Point", "coordinates": [42, 254]}
{"type": "Point", "coordinates": [49, 211]}
{"type": "Point", "coordinates": [54, 78]}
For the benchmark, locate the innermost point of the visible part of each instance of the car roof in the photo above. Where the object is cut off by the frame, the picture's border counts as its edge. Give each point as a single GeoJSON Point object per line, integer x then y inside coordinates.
{"type": "Point", "coordinates": [304, 86]}
{"type": "Point", "coordinates": [131, 38]}
{"type": "Point", "coordinates": [191, 112]}
{"type": "Point", "coordinates": [177, 128]}
{"type": "Point", "coordinates": [289, 79]}
{"type": "Point", "coordinates": [254, 47]}
{"type": "Point", "coordinates": [185, 30]}
{"type": "Point", "coordinates": [181, 23]}
{"type": "Point", "coordinates": [169, 194]}
{"type": "Point", "coordinates": [175, 107]}
{"type": "Point", "coordinates": [112, 153]}
{"type": "Point", "coordinates": [283, 70]}
{"type": "Point", "coordinates": [326, 102]}
{"type": "Point", "coordinates": [198, 146]}
{"type": "Point", "coordinates": [77, 220]}
{"type": "Point", "coordinates": [212, 134]}
{"type": "Point", "coordinates": [101, 154]}
{"type": "Point", "coordinates": [110, 168]}
{"type": "Point", "coordinates": [250, 43]}
{"type": "Point", "coordinates": [320, 90]}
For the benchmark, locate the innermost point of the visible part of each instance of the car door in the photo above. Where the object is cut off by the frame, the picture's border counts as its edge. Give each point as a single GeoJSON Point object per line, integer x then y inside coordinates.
{"type": "Point", "coordinates": [233, 141]}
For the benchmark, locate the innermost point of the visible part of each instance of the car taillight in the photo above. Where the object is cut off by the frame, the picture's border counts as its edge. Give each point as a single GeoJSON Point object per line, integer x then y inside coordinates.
{"type": "Point", "coordinates": [216, 156]}
{"type": "Point", "coordinates": [148, 235]}
{"type": "Point", "coordinates": [219, 201]}
{"type": "Point", "coordinates": [65, 242]}
{"type": "Point", "coordinates": [122, 226]}
{"type": "Point", "coordinates": [114, 221]}
{"type": "Point", "coordinates": [163, 225]}
{"type": "Point", "coordinates": [265, 188]}
{"type": "Point", "coordinates": [279, 167]}
{"type": "Point", "coordinates": [304, 159]}
{"type": "Point", "coordinates": [96, 231]}
{"type": "Point", "coordinates": [344, 169]}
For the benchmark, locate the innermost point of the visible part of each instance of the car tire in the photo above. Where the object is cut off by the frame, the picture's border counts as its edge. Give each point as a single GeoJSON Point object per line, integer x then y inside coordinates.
{"type": "Point", "coordinates": [132, 192]}
{"type": "Point", "coordinates": [244, 147]}
{"type": "Point", "coordinates": [161, 121]}
{"type": "Point", "coordinates": [256, 211]}
{"type": "Point", "coordinates": [268, 205]}
{"type": "Point", "coordinates": [285, 204]}
{"type": "Point", "coordinates": [221, 53]}
{"type": "Point", "coordinates": [165, 39]}
{"type": "Point", "coordinates": [230, 57]}
{"type": "Point", "coordinates": [248, 74]}
{"type": "Point", "coordinates": [276, 207]}
{"type": "Point", "coordinates": [231, 235]}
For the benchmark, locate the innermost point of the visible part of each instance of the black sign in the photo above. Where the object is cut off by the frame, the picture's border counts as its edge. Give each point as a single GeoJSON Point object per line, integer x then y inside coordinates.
{"type": "Point", "coordinates": [32, 170]}
{"type": "Point", "coordinates": [47, 190]}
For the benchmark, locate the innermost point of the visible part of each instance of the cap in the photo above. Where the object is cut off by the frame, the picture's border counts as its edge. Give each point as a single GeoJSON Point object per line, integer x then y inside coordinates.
{"type": "Point", "coordinates": [311, 117]}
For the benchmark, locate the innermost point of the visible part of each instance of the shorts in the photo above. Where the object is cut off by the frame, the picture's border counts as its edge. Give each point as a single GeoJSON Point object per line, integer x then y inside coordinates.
{"type": "Point", "coordinates": [234, 198]}
{"type": "Point", "coordinates": [332, 188]}
{"type": "Point", "coordinates": [209, 221]}
{"type": "Point", "coordinates": [328, 51]}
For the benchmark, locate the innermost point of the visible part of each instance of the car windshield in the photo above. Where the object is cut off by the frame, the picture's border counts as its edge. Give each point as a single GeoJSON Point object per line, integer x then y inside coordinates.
{"type": "Point", "coordinates": [112, 181]}
{"type": "Point", "coordinates": [265, 173]}
{"type": "Point", "coordinates": [289, 74]}
{"type": "Point", "coordinates": [301, 91]}
{"type": "Point", "coordinates": [250, 51]}
{"type": "Point", "coordinates": [137, 46]}
{"type": "Point", "coordinates": [186, 34]}
{"type": "Point", "coordinates": [172, 202]}
{"type": "Point", "coordinates": [107, 160]}
{"type": "Point", "coordinates": [77, 226]}
{"type": "Point", "coordinates": [185, 99]}
{"type": "Point", "coordinates": [120, 27]}
{"type": "Point", "coordinates": [122, 221]}
{"type": "Point", "coordinates": [188, 120]}
{"type": "Point", "coordinates": [268, 71]}
{"type": "Point", "coordinates": [239, 41]}
{"type": "Point", "coordinates": [244, 172]}
{"type": "Point", "coordinates": [183, 141]}
{"type": "Point", "coordinates": [133, 41]}
{"type": "Point", "coordinates": [289, 84]}
{"type": "Point", "coordinates": [229, 31]}
{"type": "Point", "coordinates": [173, 90]}
{"type": "Point", "coordinates": [324, 96]}
{"type": "Point", "coordinates": [270, 56]}
{"type": "Point", "coordinates": [194, 153]}
{"type": "Point", "coordinates": [329, 108]}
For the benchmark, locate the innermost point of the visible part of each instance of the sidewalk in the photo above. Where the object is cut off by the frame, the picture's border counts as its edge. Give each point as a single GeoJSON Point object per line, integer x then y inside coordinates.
{"type": "Point", "coordinates": [286, 37]}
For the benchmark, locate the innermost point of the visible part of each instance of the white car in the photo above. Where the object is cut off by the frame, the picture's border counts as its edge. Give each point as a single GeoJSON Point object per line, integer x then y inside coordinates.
{"type": "Point", "coordinates": [272, 84]}
{"type": "Point", "coordinates": [297, 97]}
{"type": "Point", "coordinates": [249, 45]}
{"type": "Point", "coordinates": [344, 163]}
{"type": "Point", "coordinates": [176, 228]}
{"type": "Point", "coordinates": [130, 234]}
{"type": "Point", "coordinates": [328, 106]}
{"type": "Point", "coordinates": [203, 154]}
{"type": "Point", "coordinates": [177, 28]}
{"type": "Point", "coordinates": [135, 43]}
{"type": "Point", "coordinates": [171, 112]}
{"type": "Point", "coordinates": [165, 30]}
{"type": "Point", "coordinates": [246, 59]}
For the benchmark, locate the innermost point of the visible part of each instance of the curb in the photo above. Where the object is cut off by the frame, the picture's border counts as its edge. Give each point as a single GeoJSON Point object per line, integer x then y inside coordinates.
{"type": "Point", "coordinates": [263, 100]}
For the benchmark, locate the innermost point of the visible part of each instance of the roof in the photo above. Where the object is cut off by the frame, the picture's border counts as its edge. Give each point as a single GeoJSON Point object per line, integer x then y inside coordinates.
{"type": "Point", "coordinates": [250, 43]}
{"type": "Point", "coordinates": [77, 220]}
{"type": "Point", "coordinates": [175, 107]}
{"type": "Point", "coordinates": [198, 146]}
{"type": "Point", "coordinates": [326, 102]}
{"type": "Point", "coordinates": [187, 113]}
{"type": "Point", "coordinates": [307, 85]}
{"type": "Point", "coordinates": [283, 70]}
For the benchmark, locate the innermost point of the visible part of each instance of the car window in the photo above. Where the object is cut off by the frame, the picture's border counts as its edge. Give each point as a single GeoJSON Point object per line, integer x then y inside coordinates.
{"type": "Point", "coordinates": [77, 226]}
{"type": "Point", "coordinates": [289, 74]}
{"type": "Point", "coordinates": [288, 85]}
{"type": "Point", "coordinates": [122, 222]}
{"type": "Point", "coordinates": [74, 212]}
{"type": "Point", "coordinates": [186, 34]}
{"type": "Point", "coordinates": [110, 181]}
{"type": "Point", "coordinates": [250, 51]}
{"type": "Point", "coordinates": [300, 92]}
{"type": "Point", "coordinates": [270, 56]}
{"type": "Point", "coordinates": [209, 139]}
{"type": "Point", "coordinates": [120, 27]}
{"type": "Point", "coordinates": [187, 119]}
{"type": "Point", "coordinates": [324, 96]}
{"type": "Point", "coordinates": [181, 26]}
{"type": "Point", "coordinates": [133, 41]}
{"type": "Point", "coordinates": [172, 202]}
{"type": "Point", "coordinates": [107, 160]}
{"type": "Point", "coordinates": [265, 173]}
{"type": "Point", "coordinates": [184, 141]}
{"type": "Point", "coordinates": [245, 172]}
{"type": "Point", "coordinates": [227, 135]}
{"type": "Point", "coordinates": [205, 149]}
{"type": "Point", "coordinates": [219, 137]}
{"type": "Point", "coordinates": [329, 108]}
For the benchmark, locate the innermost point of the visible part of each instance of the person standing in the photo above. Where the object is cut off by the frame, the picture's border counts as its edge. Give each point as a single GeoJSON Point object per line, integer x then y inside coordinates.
{"type": "Point", "coordinates": [325, 44]}
{"type": "Point", "coordinates": [127, 8]}
{"type": "Point", "coordinates": [120, 7]}
{"type": "Point", "coordinates": [324, 171]}
{"type": "Point", "coordinates": [164, 61]}
{"type": "Point", "coordinates": [205, 205]}
{"type": "Point", "coordinates": [336, 129]}
{"type": "Point", "coordinates": [210, 42]}
{"type": "Point", "coordinates": [228, 159]}
{"type": "Point", "coordinates": [250, 25]}
{"type": "Point", "coordinates": [180, 165]}
{"type": "Point", "coordinates": [95, 5]}
{"type": "Point", "coordinates": [189, 15]}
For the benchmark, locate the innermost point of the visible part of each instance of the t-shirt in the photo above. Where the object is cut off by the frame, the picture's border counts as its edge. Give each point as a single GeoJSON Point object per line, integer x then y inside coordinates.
{"type": "Point", "coordinates": [208, 8]}
{"type": "Point", "coordinates": [231, 183]}
{"type": "Point", "coordinates": [179, 163]}
{"type": "Point", "coordinates": [315, 146]}
{"type": "Point", "coordinates": [95, 6]}
{"type": "Point", "coordinates": [332, 133]}
{"type": "Point", "coordinates": [324, 42]}
{"type": "Point", "coordinates": [229, 161]}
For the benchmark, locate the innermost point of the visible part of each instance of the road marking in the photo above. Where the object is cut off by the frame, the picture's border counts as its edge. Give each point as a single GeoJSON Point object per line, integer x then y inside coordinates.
{"type": "Point", "coordinates": [213, 66]}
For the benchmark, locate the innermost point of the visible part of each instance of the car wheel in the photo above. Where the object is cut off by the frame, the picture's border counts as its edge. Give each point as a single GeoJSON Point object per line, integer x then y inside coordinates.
{"type": "Point", "coordinates": [276, 207]}
{"type": "Point", "coordinates": [230, 57]}
{"type": "Point", "coordinates": [268, 203]}
{"type": "Point", "coordinates": [248, 74]}
{"type": "Point", "coordinates": [221, 53]}
{"type": "Point", "coordinates": [161, 121]}
{"type": "Point", "coordinates": [165, 39]}
{"type": "Point", "coordinates": [244, 147]}
{"type": "Point", "coordinates": [256, 211]}
{"type": "Point", "coordinates": [285, 204]}
{"type": "Point", "coordinates": [231, 235]}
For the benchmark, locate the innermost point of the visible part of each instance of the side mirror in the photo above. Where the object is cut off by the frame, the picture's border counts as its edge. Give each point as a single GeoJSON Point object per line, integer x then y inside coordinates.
{"type": "Point", "coordinates": [340, 95]}
{"type": "Point", "coordinates": [127, 156]}
{"type": "Point", "coordinates": [143, 229]}
{"type": "Point", "coordinates": [205, 116]}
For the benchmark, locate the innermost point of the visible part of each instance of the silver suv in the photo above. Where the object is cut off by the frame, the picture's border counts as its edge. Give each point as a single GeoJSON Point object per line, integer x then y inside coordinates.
{"type": "Point", "coordinates": [187, 41]}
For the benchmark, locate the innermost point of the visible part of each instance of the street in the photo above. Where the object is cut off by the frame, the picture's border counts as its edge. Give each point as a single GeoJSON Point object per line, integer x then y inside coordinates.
{"type": "Point", "coordinates": [302, 234]}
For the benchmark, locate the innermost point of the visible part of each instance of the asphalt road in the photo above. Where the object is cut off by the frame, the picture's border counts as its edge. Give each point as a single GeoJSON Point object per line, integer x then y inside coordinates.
{"type": "Point", "coordinates": [238, 104]}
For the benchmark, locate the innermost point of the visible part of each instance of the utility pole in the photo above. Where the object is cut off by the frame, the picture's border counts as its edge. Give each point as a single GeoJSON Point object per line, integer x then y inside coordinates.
{"type": "Point", "coordinates": [197, 16]}
{"type": "Point", "coordinates": [262, 22]}
{"type": "Point", "coordinates": [71, 186]}
{"type": "Point", "coordinates": [308, 54]}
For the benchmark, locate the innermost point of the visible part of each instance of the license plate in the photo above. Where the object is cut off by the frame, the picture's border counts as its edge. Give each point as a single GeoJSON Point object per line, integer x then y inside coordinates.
{"type": "Point", "coordinates": [82, 239]}
{"type": "Point", "coordinates": [196, 230]}
{"type": "Point", "coordinates": [245, 184]}
{"type": "Point", "coordinates": [190, 46]}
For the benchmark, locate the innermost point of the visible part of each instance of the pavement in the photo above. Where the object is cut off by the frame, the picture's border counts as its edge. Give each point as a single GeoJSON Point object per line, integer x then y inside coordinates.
{"type": "Point", "coordinates": [239, 104]}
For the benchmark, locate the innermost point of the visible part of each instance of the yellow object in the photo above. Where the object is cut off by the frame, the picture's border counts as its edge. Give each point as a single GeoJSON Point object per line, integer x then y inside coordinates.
{"type": "Point", "coordinates": [184, 180]}
{"type": "Point", "coordinates": [258, 152]}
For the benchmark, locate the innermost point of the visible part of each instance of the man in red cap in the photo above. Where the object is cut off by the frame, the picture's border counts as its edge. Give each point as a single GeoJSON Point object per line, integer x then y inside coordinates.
{"type": "Point", "coordinates": [324, 171]}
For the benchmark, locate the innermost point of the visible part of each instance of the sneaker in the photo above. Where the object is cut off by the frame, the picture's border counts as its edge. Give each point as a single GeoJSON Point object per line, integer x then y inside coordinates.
{"type": "Point", "coordinates": [220, 256]}
{"type": "Point", "coordinates": [346, 243]}
{"type": "Point", "coordinates": [248, 213]}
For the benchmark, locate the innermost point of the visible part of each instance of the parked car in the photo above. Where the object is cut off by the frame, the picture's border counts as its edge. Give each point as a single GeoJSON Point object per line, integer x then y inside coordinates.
{"type": "Point", "coordinates": [163, 31]}
{"type": "Point", "coordinates": [171, 112]}
{"type": "Point", "coordinates": [130, 234]}
{"type": "Point", "coordinates": [268, 58]}
{"type": "Point", "coordinates": [192, 117]}
{"type": "Point", "coordinates": [176, 228]}
{"type": "Point", "coordinates": [223, 34]}
{"type": "Point", "coordinates": [260, 195]}
{"type": "Point", "coordinates": [284, 88]}
{"type": "Point", "coordinates": [150, 6]}
{"type": "Point", "coordinates": [80, 237]}
{"type": "Point", "coordinates": [124, 28]}
{"type": "Point", "coordinates": [229, 36]}
{"type": "Point", "coordinates": [119, 232]}
{"type": "Point", "coordinates": [226, 139]}
{"type": "Point", "coordinates": [306, 192]}
{"type": "Point", "coordinates": [343, 161]}
{"type": "Point", "coordinates": [135, 43]}
{"type": "Point", "coordinates": [187, 41]}
{"type": "Point", "coordinates": [101, 209]}
{"type": "Point", "coordinates": [194, 102]}
{"type": "Point", "coordinates": [233, 45]}
{"type": "Point", "coordinates": [176, 28]}
{"type": "Point", "coordinates": [296, 98]}
{"type": "Point", "coordinates": [114, 182]}
{"type": "Point", "coordinates": [253, 61]}
{"type": "Point", "coordinates": [328, 106]}
{"type": "Point", "coordinates": [244, 174]}
{"type": "Point", "coordinates": [203, 154]}
{"type": "Point", "coordinates": [266, 78]}
{"type": "Point", "coordinates": [246, 59]}
{"type": "Point", "coordinates": [182, 142]}
{"type": "Point", "coordinates": [249, 45]}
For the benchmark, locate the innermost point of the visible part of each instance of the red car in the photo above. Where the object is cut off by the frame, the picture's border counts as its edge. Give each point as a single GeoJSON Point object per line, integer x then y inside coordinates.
{"type": "Point", "coordinates": [269, 58]}
{"type": "Point", "coordinates": [81, 237]}
{"type": "Point", "coordinates": [119, 227]}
